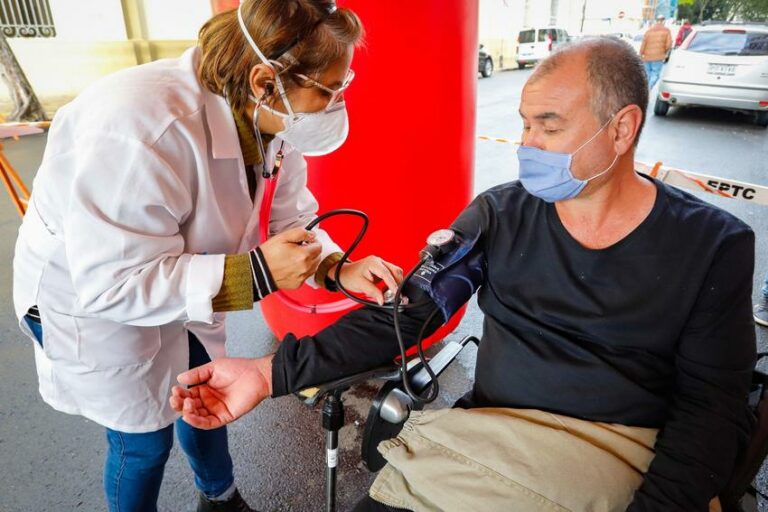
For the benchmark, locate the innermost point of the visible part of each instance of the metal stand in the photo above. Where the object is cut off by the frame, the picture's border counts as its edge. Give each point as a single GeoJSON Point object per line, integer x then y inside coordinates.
{"type": "Point", "coordinates": [16, 188]}
{"type": "Point", "coordinates": [333, 420]}
{"type": "Point", "coordinates": [388, 412]}
{"type": "Point", "coordinates": [8, 175]}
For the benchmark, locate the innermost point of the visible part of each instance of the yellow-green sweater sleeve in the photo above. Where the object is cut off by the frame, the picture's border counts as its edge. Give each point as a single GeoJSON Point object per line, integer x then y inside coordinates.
{"type": "Point", "coordinates": [236, 291]}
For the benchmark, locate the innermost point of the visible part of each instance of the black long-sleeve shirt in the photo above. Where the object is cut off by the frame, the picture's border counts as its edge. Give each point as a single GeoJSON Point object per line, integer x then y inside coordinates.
{"type": "Point", "coordinates": [654, 331]}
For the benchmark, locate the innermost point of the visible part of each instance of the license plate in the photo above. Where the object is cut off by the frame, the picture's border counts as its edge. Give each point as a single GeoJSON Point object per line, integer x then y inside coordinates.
{"type": "Point", "coordinates": [722, 69]}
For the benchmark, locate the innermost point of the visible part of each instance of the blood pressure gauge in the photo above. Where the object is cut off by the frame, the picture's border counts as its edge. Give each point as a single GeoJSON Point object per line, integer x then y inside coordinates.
{"type": "Point", "coordinates": [441, 237]}
{"type": "Point", "coordinates": [437, 243]}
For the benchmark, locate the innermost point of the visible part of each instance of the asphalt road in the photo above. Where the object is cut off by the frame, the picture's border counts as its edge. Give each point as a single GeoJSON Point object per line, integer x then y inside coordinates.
{"type": "Point", "coordinates": [50, 461]}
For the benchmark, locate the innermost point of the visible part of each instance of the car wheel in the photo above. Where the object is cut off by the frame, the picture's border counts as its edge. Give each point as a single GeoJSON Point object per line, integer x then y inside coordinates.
{"type": "Point", "coordinates": [521, 65]}
{"type": "Point", "coordinates": [660, 108]}
{"type": "Point", "coordinates": [487, 68]}
{"type": "Point", "coordinates": [762, 119]}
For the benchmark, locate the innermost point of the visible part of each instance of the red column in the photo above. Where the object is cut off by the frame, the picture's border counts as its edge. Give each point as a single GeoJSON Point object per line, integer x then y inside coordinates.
{"type": "Point", "coordinates": [409, 157]}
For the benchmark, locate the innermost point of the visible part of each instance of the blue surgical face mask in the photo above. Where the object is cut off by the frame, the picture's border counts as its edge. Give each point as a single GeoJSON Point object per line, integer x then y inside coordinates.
{"type": "Point", "coordinates": [547, 174]}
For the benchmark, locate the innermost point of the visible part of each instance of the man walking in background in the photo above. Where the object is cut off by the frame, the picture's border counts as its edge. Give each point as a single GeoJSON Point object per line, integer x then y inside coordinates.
{"type": "Point", "coordinates": [657, 42]}
{"type": "Point", "coordinates": [761, 308]}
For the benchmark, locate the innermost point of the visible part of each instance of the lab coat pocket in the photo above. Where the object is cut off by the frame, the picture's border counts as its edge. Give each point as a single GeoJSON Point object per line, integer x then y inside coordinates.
{"type": "Point", "coordinates": [59, 342]}
{"type": "Point", "coordinates": [104, 344]}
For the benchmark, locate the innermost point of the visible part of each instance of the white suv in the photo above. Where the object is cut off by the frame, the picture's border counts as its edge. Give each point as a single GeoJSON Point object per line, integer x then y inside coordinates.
{"type": "Point", "coordinates": [535, 44]}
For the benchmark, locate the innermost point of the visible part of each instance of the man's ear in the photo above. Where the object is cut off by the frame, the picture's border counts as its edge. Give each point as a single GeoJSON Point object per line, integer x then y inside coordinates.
{"type": "Point", "coordinates": [262, 80]}
{"type": "Point", "coordinates": [626, 127]}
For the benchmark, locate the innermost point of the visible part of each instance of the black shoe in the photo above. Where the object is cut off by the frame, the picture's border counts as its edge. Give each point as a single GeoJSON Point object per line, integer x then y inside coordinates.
{"type": "Point", "coordinates": [761, 313]}
{"type": "Point", "coordinates": [234, 504]}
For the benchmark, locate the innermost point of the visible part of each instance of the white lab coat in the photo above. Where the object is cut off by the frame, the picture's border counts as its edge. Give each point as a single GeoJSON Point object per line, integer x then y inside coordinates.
{"type": "Point", "coordinates": [140, 194]}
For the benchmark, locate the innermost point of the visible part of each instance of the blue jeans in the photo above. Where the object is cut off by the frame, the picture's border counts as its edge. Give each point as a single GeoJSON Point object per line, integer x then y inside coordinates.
{"type": "Point", "coordinates": [37, 330]}
{"type": "Point", "coordinates": [653, 70]}
{"type": "Point", "coordinates": [135, 463]}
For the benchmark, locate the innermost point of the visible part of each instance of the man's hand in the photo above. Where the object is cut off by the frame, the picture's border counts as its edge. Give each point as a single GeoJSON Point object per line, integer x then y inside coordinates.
{"type": "Point", "coordinates": [222, 391]}
{"type": "Point", "coordinates": [362, 276]}
{"type": "Point", "coordinates": [292, 256]}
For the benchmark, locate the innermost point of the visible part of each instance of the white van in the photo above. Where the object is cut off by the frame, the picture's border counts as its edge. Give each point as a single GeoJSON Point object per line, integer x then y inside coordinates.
{"type": "Point", "coordinates": [535, 44]}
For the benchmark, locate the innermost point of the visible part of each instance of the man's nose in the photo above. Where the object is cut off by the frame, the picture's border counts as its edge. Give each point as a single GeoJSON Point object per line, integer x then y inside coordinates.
{"type": "Point", "coordinates": [532, 139]}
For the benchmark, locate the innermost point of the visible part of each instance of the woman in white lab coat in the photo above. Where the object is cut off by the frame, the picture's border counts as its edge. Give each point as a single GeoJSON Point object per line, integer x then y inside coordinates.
{"type": "Point", "coordinates": [143, 228]}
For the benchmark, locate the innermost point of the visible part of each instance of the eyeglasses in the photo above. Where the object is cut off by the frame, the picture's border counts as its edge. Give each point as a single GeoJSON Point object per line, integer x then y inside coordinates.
{"type": "Point", "coordinates": [336, 94]}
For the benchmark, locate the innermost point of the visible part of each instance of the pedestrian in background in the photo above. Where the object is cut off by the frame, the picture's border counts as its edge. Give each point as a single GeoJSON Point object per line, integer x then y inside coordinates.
{"type": "Point", "coordinates": [685, 29]}
{"type": "Point", "coordinates": [657, 42]}
{"type": "Point", "coordinates": [761, 308]}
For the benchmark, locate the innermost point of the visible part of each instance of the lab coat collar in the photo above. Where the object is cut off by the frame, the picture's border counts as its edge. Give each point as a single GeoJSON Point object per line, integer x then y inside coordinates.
{"type": "Point", "coordinates": [221, 124]}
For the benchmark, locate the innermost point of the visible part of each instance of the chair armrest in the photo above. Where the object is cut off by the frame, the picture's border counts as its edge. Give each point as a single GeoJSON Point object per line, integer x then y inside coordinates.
{"type": "Point", "coordinates": [311, 396]}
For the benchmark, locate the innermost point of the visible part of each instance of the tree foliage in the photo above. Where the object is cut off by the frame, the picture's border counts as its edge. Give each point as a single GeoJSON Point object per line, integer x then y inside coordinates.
{"type": "Point", "coordinates": [723, 10]}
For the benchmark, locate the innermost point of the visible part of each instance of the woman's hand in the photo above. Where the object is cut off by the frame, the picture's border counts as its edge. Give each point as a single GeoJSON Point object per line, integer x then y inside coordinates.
{"type": "Point", "coordinates": [362, 276]}
{"type": "Point", "coordinates": [292, 256]}
{"type": "Point", "coordinates": [223, 390]}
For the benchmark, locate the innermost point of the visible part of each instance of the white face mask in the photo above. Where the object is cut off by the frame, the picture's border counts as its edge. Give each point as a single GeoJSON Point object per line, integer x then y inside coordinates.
{"type": "Point", "coordinates": [316, 133]}
{"type": "Point", "coordinates": [310, 133]}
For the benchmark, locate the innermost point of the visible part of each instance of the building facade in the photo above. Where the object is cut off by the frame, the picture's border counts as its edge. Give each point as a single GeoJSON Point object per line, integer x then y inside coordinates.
{"type": "Point", "coordinates": [64, 45]}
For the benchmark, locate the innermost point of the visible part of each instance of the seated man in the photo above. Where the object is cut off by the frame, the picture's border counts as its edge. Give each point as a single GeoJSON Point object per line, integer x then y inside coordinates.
{"type": "Point", "coordinates": [618, 341]}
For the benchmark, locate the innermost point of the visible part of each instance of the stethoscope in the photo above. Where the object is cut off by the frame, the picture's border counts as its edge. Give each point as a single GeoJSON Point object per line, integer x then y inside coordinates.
{"type": "Point", "coordinates": [265, 215]}
{"type": "Point", "coordinates": [397, 302]}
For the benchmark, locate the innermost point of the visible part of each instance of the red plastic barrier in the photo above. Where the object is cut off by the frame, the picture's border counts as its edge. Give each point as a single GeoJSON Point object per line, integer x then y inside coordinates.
{"type": "Point", "coordinates": [409, 157]}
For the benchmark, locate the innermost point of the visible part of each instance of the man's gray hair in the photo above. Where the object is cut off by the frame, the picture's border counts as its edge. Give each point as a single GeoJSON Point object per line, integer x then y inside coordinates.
{"type": "Point", "coordinates": [615, 74]}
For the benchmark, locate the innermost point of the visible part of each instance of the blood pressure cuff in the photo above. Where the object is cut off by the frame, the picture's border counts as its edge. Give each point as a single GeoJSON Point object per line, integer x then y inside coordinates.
{"type": "Point", "coordinates": [452, 277]}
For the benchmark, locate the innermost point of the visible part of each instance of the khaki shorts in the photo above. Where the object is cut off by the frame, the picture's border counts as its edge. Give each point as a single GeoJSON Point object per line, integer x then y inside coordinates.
{"type": "Point", "coordinates": [513, 460]}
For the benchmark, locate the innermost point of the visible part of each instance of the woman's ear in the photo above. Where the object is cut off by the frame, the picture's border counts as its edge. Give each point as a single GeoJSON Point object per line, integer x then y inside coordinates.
{"type": "Point", "coordinates": [262, 80]}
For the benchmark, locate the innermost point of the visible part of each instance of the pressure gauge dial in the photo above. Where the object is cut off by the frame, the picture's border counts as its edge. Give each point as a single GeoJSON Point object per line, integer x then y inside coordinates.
{"type": "Point", "coordinates": [441, 237]}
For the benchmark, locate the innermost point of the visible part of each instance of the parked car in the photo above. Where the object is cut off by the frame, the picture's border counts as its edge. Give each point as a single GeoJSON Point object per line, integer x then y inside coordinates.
{"type": "Point", "coordinates": [622, 36]}
{"type": "Point", "coordinates": [724, 66]}
{"type": "Point", "coordinates": [485, 63]}
{"type": "Point", "coordinates": [576, 37]}
{"type": "Point", "coordinates": [637, 41]}
{"type": "Point", "coordinates": [535, 44]}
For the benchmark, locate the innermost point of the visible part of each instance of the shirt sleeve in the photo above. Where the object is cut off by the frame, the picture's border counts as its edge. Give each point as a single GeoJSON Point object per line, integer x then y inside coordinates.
{"type": "Point", "coordinates": [123, 242]}
{"type": "Point", "coordinates": [295, 206]}
{"type": "Point", "coordinates": [708, 423]}
{"type": "Point", "coordinates": [363, 339]}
